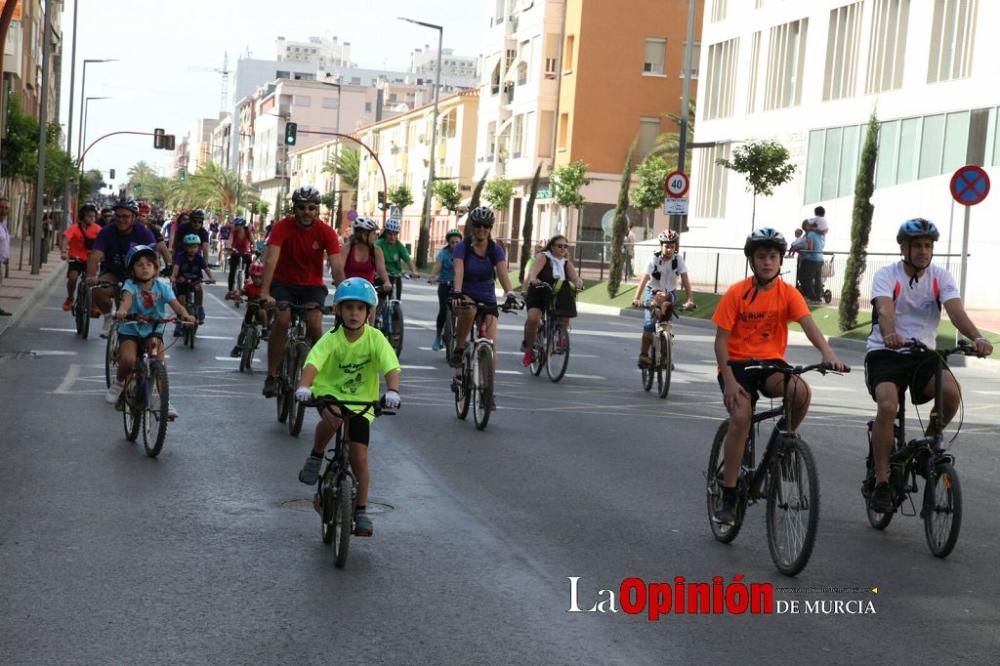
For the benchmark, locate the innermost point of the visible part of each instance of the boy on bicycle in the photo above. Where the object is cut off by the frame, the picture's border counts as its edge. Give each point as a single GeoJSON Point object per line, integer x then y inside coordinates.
{"type": "Point", "coordinates": [189, 264]}
{"type": "Point", "coordinates": [345, 363]}
{"type": "Point", "coordinates": [907, 298]}
{"type": "Point", "coordinates": [251, 289]}
{"type": "Point", "coordinates": [75, 245]}
{"type": "Point", "coordinates": [658, 287]}
{"type": "Point", "coordinates": [752, 326]}
{"type": "Point", "coordinates": [146, 296]}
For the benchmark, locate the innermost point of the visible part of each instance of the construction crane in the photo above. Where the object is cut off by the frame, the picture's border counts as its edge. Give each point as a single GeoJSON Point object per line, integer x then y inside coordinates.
{"type": "Point", "coordinates": [225, 72]}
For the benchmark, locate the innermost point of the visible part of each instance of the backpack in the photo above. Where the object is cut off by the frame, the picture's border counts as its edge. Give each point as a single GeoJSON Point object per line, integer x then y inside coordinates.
{"type": "Point", "coordinates": [673, 266]}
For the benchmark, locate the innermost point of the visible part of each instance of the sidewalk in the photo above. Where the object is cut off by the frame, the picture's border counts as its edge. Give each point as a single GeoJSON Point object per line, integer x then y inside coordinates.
{"type": "Point", "coordinates": [19, 289]}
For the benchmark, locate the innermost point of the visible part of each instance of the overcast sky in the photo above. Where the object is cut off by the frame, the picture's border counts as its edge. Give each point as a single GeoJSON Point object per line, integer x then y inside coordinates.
{"type": "Point", "coordinates": [162, 46]}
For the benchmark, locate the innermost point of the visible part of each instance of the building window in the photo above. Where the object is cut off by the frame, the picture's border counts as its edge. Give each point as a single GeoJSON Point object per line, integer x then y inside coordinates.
{"type": "Point", "coordinates": [718, 11]}
{"type": "Point", "coordinates": [909, 147]}
{"type": "Point", "coordinates": [953, 35]}
{"type": "Point", "coordinates": [713, 180]}
{"type": "Point", "coordinates": [517, 140]}
{"type": "Point", "coordinates": [551, 55]}
{"type": "Point", "coordinates": [842, 42]}
{"type": "Point", "coordinates": [368, 107]}
{"type": "Point", "coordinates": [695, 59]}
{"type": "Point", "coordinates": [754, 72]}
{"type": "Point", "coordinates": [931, 146]}
{"type": "Point", "coordinates": [649, 129]}
{"type": "Point", "coordinates": [491, 140]}
{"type": "Point", "coordinates": [330, 103]}
{"type": "Point", "coordinates": [887, 45]}
{"type": "Point", "coordinates": [499, 15]}
{"type": "Point", "coordinates": [785, 64]}
{"type": "Point", "coordinates": [721, 78]}
{"type": "Point", "coordinates": [656, 51]}
{"type": "Point", "coordinates": [568, 53]}
{"type": "Point", "coordinates": [545, 129]}
{"type": "Point", "coordinates": [301, 100]}
{"type": "Point", "coordinates": [956, 141]}
{"type": "Point", "coordinates": [563, 130]}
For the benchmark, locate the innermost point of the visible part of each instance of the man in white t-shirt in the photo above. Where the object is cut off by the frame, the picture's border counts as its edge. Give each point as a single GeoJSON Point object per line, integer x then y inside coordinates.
{"type": "Point", "coordinates": [658, 285]}
{"type": "Point", "coordinates": [907, 297]}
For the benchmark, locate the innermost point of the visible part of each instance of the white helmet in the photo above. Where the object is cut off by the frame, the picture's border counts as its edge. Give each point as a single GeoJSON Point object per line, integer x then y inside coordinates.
{"type": "Point", "coordinates": [668, 236]}
{"type": "Point", "coordinates": [392, 226]}
{"type": "Point", "coordinates": [364, 224]}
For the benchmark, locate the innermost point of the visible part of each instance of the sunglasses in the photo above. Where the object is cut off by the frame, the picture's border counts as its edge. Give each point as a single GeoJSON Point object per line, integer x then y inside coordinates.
{"type": "Point", "coordinates": [561, 246]}
{"type": "Point", "coordinates": [306, 207]}
{"type": "Point", "coordinates": [482, 226]}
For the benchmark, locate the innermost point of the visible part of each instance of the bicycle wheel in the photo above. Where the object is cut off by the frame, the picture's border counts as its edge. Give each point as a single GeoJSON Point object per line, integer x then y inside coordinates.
{"type": "Point", "coordinates": [154, 417]}
{"type": "Point", "coordinates": [327, 499]}
{"type": "Point", "coordinates": [792, 506]}
{"type": "Point", "coordinates": [557, 352]}
{"type": "Point", "coordinates": [942, 511]}
{"type": "Point", "coordinates": [879, 521]}
{"type": "Point", "coordinates": [538, 350]}
{"type": "Point", "coordinates": [665, 365]}
{"type": "Point", "coordinates": [81, 308]}
{"type": "Point", "coordinates": [280, 390]}
{"type": "Point", "coordinates": [723, 533]}
{"type": "Point", "coordinates": [448, 335]}
{"type": "Point", "coordinates": [296, 410]}
{"type": "Point", "coordinates": [133, 408]}
{"type": "Point", "coordinates": [396, 319]}
{"type": "Point", "coordinates": [462, 387]}
{"type": "Point", "coordinates": [111, 356]}
{"type": "Point", "coordinates": [343, 522]}
{"type": "Point", "coordinates": [484, 386]}
{"type": "Point", "coordinates": [189, 333]}
{"type": "Point", "coordinates": [250, 338]}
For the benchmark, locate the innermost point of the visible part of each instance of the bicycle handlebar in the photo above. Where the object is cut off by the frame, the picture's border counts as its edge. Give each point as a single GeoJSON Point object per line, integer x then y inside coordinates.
{"type": "Point", "coordinates": [963, 347]}
{"type": "Point", "coordinates": [155, 322]}
{"type": "Point", "coordinates": [771, 366]}
{"type": "Point", "coordinates": [327, 401]}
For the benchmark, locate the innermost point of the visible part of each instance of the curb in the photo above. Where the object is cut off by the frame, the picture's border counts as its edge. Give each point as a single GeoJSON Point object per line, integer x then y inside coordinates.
{"type": "Point", "coordinates": [44, 285]}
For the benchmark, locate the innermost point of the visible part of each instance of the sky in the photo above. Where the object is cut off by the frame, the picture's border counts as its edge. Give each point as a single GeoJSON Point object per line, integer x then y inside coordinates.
{"type": "Point", "coordinates": [164, 49]}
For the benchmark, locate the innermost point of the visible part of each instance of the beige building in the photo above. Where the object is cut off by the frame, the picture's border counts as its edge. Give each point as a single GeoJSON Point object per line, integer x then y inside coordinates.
{"type": "Point", "coordinates": [306, 168]}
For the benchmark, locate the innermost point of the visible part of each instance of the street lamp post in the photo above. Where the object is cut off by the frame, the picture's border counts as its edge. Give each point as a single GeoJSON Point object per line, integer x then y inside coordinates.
{"type": "Point", "coordinates": [83, 128]}
{"type": "Point", "coordinates": [83, 92]}
{"type": "Point", "coordinates": [423, 240]}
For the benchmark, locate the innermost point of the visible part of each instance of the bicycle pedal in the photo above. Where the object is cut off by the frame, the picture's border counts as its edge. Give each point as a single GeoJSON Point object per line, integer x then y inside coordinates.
{"type": "Point", "coordinates": [365, 533]}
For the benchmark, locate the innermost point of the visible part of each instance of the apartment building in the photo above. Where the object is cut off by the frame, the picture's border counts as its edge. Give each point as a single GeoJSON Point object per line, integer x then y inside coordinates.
{"type": "Point", "coordinates": [200, 142]}
{"type": "Point", "coordinates": [809, 75]}
{"type": "Point", "coordinates": [456, 70]}
{"type": "Point", "coordinates": [322, 53]}
{"type": "Point", "coordinates": [23, 58]}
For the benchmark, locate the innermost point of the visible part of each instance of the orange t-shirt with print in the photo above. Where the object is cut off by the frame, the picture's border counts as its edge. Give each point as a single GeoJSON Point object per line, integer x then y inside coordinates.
{"type": "Point", "coordinates": [79, 240]}
{"type": "Point", "coordinates": [757, 319]}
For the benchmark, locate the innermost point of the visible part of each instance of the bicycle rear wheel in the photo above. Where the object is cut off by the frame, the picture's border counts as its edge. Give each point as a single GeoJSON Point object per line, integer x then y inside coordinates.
{"type": "Point", "coordinates": [296, 410]}
{"type": "Point", "coordinates": [189, 333]}
{"type": "Point", "coordinates": [879, 521]}
{"type": "Point", "coordinates": [665, 364]}
{"type": "Point", "coordinates": [154, 417]}
{"type": "Point", "coordinates": [111, 356]}
{"type": "Point", "coordinates": [557, 352]}
{"type": "Point", "coordinates": [343, 522]}
{"type": "Point", "coordinates": [792, 506]}
{"type": "Point", "coordinates": [132, 409]}
{"type": "Point", "coordinates": [483, 397]}
{"type": "Point", "coordinates": [942, 511]}
{"type": "Point", "coordinates": [448, 334]}
{"type": "Point", "coordinates": [722, 533]}
{"type": "Point", "coordinates": [538, 350]}
{"type": "Point", "coordinates": [281, 392]}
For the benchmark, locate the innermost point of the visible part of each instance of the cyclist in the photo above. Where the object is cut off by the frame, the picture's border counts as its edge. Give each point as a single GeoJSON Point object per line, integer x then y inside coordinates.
{"type": "Point", "coordinates": [251, 289]}
{"type": "Point", "coordinates": [80, 239]}
{"type": "Point", "coordinates": [161, 245]}
{"type": "Point", "coordinates": [444, 273]}
{"type": "Point", "coordinates": [396, 255]}
{"type": "Point", "coordinates": [194, 223]}
{"type": "Point", "coordinates": [363, 257]}
{"type": "Point", "coordinates": [907, 298]}
{"type": "Point", "coordinates": [225, 231]}
{"type": "Point", "coordinates": [553, 267]}
{"type": "Point", "coordinates": [107, 216]}
{"type": "Point", "coordinates": [658, 285]}
{"type": "Point", "coordinates": [189, 264]}
{"type": "Point", "coordinates": [479, 262]}
{"type": "Point", "coordinates": [240, 246]}
{"type": "Point", "coordinates": [144, 295]}
{"type": "Point", "coordinates": [346, 363]}
{"type": "Point", "coordinates": [293, 271]}
{"type": "Point", "coordinates": [110, 249]}
{"type": "Point", "coordinates": [752, 323]}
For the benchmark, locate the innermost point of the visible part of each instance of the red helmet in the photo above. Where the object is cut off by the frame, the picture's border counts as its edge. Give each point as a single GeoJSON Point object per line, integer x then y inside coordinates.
{"type": "Point", "coordinates": [143, 208]}
{"type": "Point", "coordinates": [256, 269]}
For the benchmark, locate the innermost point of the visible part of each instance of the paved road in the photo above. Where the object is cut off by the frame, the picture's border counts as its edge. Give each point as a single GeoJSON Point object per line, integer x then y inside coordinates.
{"type": "Point", "coordinates": [211, 554]}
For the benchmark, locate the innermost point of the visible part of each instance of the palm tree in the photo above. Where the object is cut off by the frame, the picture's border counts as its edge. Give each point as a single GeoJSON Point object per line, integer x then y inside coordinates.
{"type": "Point", "coordinates": [668, 144]}
{"type": "Point", "coordinates": [347, 166]}
{"type": "Point", "coordinates": [221, 189]}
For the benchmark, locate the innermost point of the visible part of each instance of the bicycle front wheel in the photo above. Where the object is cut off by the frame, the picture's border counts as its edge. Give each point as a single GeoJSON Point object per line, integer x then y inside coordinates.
{"type": "Point", "coordinates": [942, 511]}
{"type": "Point", "coordinates": [81, 309]}
{"type": "Point", "coordinates": [343, 522]}
{"type": "Point", "coordinates": [483, 393]}
{"type": "Point", "coordinates": [396, 319]}
{"type": "Point", "coordinates": [538, 350]}
{"type": "Point", "coordinates": [792, 506]}
{"type": "Point", "coordinates": [132, 409]}
{"type": "Point", "coordinates": [665, 362]}
{"type": "Point", "coordinates": [155, 417]}
{"type": "Point", "coordinates": [716, 462]}
{"type": "Point", "coordinates": [296, 410]}
{"type": "Point", "coordinates": [557, 352]}
{"type": "Point", "coordinates": [250, 339]}
{"type": "Point", "coordinates": [111, 356]}
{"type": "Point", "coordinates": [328, 505]}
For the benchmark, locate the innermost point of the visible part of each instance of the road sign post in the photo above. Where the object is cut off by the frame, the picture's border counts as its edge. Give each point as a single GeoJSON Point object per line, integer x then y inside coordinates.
{"type": "Point", "coordinates": [969, 186]}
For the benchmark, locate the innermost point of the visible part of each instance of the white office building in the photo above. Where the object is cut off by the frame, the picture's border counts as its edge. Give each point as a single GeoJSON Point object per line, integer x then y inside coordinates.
{"type": "Point", "coordinates": [809, 75]}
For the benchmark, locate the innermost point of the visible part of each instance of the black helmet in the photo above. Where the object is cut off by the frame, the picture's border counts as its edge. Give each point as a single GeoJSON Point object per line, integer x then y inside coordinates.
{"type": "Point", "coordinates": [481, 216]}
{"type": "Point", "coordinates": [197, 214]}
{"type": "Point", "coordinates": [306, 194]}
{"type": "Point", "coordinates": [86, 207]}
{"type": "Point", "coordinates": [765, 237]}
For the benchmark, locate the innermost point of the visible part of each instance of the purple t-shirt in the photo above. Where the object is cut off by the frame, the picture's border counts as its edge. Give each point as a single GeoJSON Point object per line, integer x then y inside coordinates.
{"type": "Point", "coordinates": [479, 273]}
{"type": "Point", "coordinates": [115, 246]}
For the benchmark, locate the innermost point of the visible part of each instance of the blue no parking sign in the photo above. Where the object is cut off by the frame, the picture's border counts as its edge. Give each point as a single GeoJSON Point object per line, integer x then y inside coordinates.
{"type": "Point", "coordinates": [969, 185]}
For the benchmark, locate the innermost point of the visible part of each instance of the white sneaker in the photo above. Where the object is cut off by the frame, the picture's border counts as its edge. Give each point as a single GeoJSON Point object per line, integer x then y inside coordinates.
{"type": "Point", "coordinates": [115, 390]}
{"type": "Point", "coordinates": [106, 329]}
{"type": "Point", "coordinates": [171, 410]}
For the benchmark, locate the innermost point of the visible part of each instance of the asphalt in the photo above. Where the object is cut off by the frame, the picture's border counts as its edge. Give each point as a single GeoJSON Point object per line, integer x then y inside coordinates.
{"type": "Point", "coordinates": [211, 553]}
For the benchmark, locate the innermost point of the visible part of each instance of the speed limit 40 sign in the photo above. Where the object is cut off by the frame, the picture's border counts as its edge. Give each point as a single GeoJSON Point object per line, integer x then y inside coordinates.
{"type": "Point", "coordinates": [676, 184]}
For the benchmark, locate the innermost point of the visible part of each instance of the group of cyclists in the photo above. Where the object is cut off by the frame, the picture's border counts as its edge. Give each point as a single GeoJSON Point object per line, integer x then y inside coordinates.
{"type": "Point", "coordinates": [301, 251]}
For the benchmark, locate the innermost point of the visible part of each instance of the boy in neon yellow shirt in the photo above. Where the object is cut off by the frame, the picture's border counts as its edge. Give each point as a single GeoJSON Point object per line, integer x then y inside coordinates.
{"type": "Point", "coordinates": [345, 363]}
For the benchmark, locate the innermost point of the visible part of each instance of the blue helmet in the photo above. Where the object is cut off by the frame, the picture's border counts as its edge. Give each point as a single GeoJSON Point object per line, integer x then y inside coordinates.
{"type": "Point", "coordinates": [392, 226]}
{"type": "Point", "coordinates": [918, 227]}
{"type": "Point", "coordinates": [192, 239]}
{"type": "Point", "coordinates": [239, 222]}
{"type": "Point", "coordinates": [137, 251]}
{"type": "Point", "coordinates": [356, 289]}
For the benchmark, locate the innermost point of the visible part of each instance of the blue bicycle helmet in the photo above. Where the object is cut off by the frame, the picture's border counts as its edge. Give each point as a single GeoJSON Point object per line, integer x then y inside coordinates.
{"type": "Point", "coordinates": [192, 239]}
{"type": "Point", "coordinates": [356, 289]}
{"type": "Point", "coordinates": [137, 251]}
{"type": "Point", "coordinates": [918, 227]}
{"type": "Point", "coordinates": [239, 222]}
{"type": "Point", "coordinates": [392, 226]}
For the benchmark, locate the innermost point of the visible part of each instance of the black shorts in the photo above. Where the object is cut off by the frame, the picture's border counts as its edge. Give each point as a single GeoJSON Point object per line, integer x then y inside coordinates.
{"type": "Point", "coordinates": [538, 298]}
{"type": "Point", "coordinates": [140, 340]}
{"type": "Point", "coordinates": [358, 429]}
{"type": "Point", "coordinates": [905, 370]}
{"type": "Point", "coordinates": [298, 294]}
{"type": "Point", "coordinates": [753, 381]}
{"type": "Point", "coordinates": [76, 265]}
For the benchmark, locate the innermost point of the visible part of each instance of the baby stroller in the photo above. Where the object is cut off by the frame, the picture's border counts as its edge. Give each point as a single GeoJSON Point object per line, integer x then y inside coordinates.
{"type": "Point", "coordinates": [826, 272]}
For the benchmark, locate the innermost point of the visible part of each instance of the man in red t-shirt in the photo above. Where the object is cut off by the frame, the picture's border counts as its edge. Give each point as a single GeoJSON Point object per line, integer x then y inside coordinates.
{"type": "Point", "coordinates": [293, 272]}
{"type": "Point", "coordinates": [79, 238]}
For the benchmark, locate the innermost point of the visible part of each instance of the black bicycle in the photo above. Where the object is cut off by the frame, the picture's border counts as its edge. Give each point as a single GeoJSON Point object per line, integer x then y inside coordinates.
{"type": "Point", "coordinates": [336, 490]}
{"type": "Point", "coordinates": [786, 478]}
{"type": "Point", "coordinates": [551, 348]}
{"type": "Point", "coordinates": [389, 320]}
{"type": "Point", "coordinates": [941, 509]}
{"type": "Point", "coordinates": [661, 351]}
{"type": "Point", "coordinates": [250, 334]}
{"type": "Point", "coordinates": [290, 371]}
{"type": "Point", "coordinates": [188, 290]}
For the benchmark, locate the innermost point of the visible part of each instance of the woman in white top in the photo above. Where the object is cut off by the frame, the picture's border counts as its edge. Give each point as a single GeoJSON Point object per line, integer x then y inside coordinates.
{"type": "Point", "coordinates": [553, 267]}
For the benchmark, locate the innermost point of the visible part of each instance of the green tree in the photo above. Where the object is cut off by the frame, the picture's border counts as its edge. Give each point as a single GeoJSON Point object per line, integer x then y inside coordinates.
{"type": "Point", "coordinates": [668, 144]}
{"type": "Point", "coordinates": [19, 150]}
{"type": "Point", "coordinates": [219, 188]}
{"type": "Point", "coordinates": [498, 193]}
{"type": "Point", "coordinates": [764, 165]}
{"type": "Point", "coordinates": [347, 166]}
{"type": "Point", "coordinates": [861, 226]}
{"type": "Point", "coordinates": [566, 182]}
{"type": "Point", "coordinates": [621, 220]}
{"type": "Point", "coordinates": [529, 222]}
{"type": "Point", "coordinates": [448, 194]}
{"type": "Point", "coordinates": [648, 193]}
{"type": "Point", "coordinates": [400, 196]}
{"type": "Point", "coordinates": [330, 201]}
{"type": "Point", "coordinates": [91, 184]}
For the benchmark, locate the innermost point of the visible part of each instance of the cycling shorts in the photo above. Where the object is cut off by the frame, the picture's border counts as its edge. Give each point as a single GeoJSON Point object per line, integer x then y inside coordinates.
{"type": "Point", "coordinates": [298, 294]}
{"type": "Point", "coordinates": [913, 371]}
{"type": "Point", "coordinates": [77, 265]}
{"type": "Point", "coordinates": [752, 381]}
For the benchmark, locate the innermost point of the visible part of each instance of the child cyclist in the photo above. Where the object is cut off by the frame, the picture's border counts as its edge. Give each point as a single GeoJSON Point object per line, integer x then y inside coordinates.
{"type": "Point", "coordinates": [752, 320]}
{"type": "Point", "coordinates": [658, 287]}
{"type": "Point", "coordinates": [146, 296]}
{"type": "Point", "coordinates": [255, 308]}
{"type": "Point", "coordinates": [189, 264]}
{"type": "Point", "coordinates": [345, 364]}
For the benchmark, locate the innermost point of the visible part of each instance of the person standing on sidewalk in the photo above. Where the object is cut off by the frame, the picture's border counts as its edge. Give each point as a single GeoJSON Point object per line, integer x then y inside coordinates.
{"type": "Point", "coordinates": [4, 244]}
{"type": "Point", "coordinates": [629, 253]}
{"type": "Point", "coordinates": [812, 265]}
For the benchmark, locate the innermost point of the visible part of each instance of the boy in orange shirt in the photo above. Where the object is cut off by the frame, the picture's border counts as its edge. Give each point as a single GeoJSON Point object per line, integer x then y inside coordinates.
{"type": "Point", "coordinates": [80, 238]}
{"type": "Point", "coordinates": [752, 320]}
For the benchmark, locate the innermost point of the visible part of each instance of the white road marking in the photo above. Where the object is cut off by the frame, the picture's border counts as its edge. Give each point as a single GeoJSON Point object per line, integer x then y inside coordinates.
{"type": "Point", "coordinates": [223, 304]}
{"type": "Point", "coordinates": [842, 389]}
{"type": "Point", "coordinates": [233, 360]}
{"type": "Point", "coordinates": [52, 352]}
{"type": "Point", "coordinates": [509, 372]}
{"type": "Point", "coordinates": [67, 383]}
{"type": "Point", "coordinates": [57, 330]}
{"type": "Point", "coordinates": [213, 337]}
{"type": "Point", "coordinates": [418, 367]}
{"type": "Point", "coordinates": [576, 376]}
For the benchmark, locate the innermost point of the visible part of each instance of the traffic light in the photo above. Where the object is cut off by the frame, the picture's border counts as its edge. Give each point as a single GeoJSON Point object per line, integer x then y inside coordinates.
{"type": "Point", "coordinates": [111, 174]}
{"type": "Point", "coordinates": [168, 142]}
{"type": "Point", "coordinates": [381, 200]}
{"type": "Point", "coordinates": [291, 130]}
{"type": "Point", "coordinates": [158, 135]}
